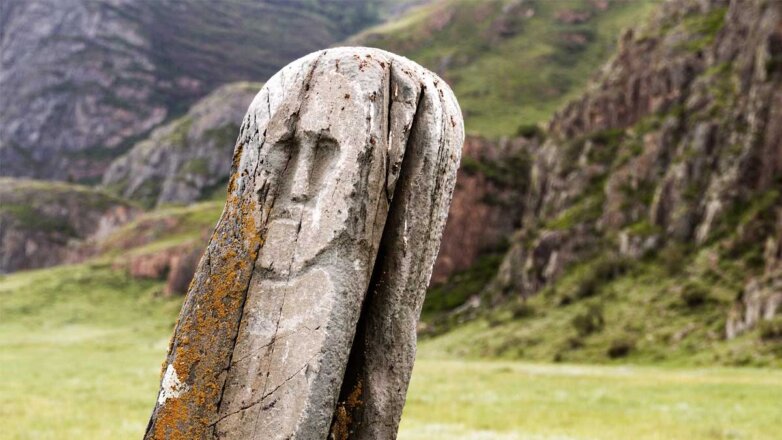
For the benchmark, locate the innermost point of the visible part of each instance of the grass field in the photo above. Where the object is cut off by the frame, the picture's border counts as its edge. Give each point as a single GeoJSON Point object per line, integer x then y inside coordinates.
{"type": "Point", "coordinates": [81, 346]}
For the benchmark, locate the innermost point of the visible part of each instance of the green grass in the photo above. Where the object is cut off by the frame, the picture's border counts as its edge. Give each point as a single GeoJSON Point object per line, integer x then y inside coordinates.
{"type": "Point", "coordinates": [81, 348]}
{"type": "Point", "coordinates": [80, 352]}
{"type": "Point", "coordinates": [513, 400]}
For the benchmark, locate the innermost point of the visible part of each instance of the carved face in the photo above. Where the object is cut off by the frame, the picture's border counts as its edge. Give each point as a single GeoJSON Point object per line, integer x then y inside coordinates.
{"type": "Point", "coordinates": [319, 163]}
{"type": "Point", "coordinates": [322, 145]}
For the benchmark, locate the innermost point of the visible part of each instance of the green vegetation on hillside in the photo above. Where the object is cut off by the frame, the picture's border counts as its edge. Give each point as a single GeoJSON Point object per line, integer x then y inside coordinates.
{"type": "Point", "coordinates": [668, 308]}
{"type": "Point", "coordinates": [44, 207]}
{"type": "Point", "coordinates": [510, 63]}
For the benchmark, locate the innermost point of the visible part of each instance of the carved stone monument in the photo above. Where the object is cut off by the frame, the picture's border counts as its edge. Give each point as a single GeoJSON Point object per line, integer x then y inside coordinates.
{"type": "Point", "coordinates": [300, 322]}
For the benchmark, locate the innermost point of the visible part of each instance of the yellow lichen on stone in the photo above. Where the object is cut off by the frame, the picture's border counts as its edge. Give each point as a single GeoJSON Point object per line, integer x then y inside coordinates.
{"type": "Point", "coordinates": [203, 340]}
{"type": "Point", "coordinates": [343, 420]}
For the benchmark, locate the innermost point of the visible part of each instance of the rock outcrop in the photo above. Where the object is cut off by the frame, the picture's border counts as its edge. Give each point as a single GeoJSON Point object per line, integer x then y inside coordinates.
{"type": "Point", "coordinates": [174, 264]}
{"type": "Point", "coordinates": [300, 321]}
{"type": "Point", "coordinates": [184, 160]}
{"type": "Point", "coordinates": [677, 143]}
{"type": "Point", "coordinates": [81, 80]}
{"type": "Point", "coordinates": [761, 298]}
{"type": "Point", "coordinates": [43, 224]}
{"type": "Point", "coordinates": [486, 206]}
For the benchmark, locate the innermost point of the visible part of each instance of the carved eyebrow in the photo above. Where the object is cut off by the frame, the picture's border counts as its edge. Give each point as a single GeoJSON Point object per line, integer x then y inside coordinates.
{"type": "Point", "coordinates": [326, 141]}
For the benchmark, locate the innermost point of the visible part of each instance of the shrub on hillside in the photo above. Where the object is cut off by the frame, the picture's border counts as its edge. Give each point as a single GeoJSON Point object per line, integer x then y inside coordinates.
{"type": "Point", "coordinates": [694, 295]}
{"type": "Point", "coordinates": [521, 309]}
{"type": "Point", "coordinates": [620, 347]}
{"type": "Point", "coordinates": [594, 276]}
{"type": "Point", "coordinates": [530, 131]}
{"type": "Point", "coordinates": [771, 329]}
{"type": "Point", "coordinates": [590, 321]}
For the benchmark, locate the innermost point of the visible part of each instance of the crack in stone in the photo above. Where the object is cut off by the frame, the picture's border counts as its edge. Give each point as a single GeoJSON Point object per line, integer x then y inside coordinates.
{"type": "Point", "coordinates": [263, 396]}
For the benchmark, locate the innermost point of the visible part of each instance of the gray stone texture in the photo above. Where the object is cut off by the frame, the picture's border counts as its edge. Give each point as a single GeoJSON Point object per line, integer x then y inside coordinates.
{"type": "Point", "coordinates": [300, 321]}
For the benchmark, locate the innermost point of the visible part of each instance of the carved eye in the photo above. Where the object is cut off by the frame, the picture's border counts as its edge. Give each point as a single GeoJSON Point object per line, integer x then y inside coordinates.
{"type": "Point", "coordinates": [275, 159]}
{"type": "Point", "coordinates": [309, 161]}
{"type": "Point", "coordinates": [325, 158]}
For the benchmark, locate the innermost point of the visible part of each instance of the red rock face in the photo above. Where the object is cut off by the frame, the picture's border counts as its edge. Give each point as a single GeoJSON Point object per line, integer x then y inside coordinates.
{"type": "Point", "coordinates": [175, 264]}
{"type": "Point", "coordinates": [484, 211]}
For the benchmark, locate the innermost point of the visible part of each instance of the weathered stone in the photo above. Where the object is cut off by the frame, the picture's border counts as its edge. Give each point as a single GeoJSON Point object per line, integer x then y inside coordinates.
{"type": "Point", "coordinates": [341, 181]}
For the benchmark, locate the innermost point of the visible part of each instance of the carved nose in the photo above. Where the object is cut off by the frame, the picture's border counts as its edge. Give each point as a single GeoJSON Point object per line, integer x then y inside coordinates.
{"type": "Point", "coordinates": [300, 188]}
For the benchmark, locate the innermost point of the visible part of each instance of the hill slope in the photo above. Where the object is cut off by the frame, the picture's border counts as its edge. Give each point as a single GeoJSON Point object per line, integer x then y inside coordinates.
{"type": "Point", "coordinates": [649, 217]}
{"type": "Point", "coordinates": [42, 222]}
{"type": "Point", "coordinates": [82, 79]}
{"type": "Point", "coordinates": [184, 160]}
{"type": "Point", "coordinates": [510, 62]}
{"type": "Point", "coordinates": [652, 225]}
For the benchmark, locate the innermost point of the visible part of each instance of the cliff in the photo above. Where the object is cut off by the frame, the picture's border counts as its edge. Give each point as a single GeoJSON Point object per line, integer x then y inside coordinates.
{"type": "Point", "coordinates": [82, 80]}
{"type": "Point", "coordinates": [188, 158]}
{"type": "Point", "coordinates": [659, 189]}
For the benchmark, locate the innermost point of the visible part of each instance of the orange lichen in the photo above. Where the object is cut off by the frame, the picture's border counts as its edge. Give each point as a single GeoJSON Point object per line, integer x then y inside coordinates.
{"type": "Point", "coordinates": [208, 324]}
{"type": "Point", "coordinates": [342, 426]}
{"type": "Point", "coordinates": [171, 423]}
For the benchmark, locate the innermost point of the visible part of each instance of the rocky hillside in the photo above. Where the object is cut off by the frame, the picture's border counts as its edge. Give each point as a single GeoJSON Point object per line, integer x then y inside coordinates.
{"type": "Point", "coordinates": [644, 223]}
{"type": "Point", "coordinates": [653, 216]}
{"type": "Point", "coordinates": [43, 223]}
{"type": "Point", "coordinates": [485, 210]}
{"type": "Point", "coordinates": [511, 63]}
{"type": "Point", "coordinates": [188, 158]}
{"type": "Point", "coordinates": [676, 142]}
{"type": "Point", "coordinates": [82, 80]}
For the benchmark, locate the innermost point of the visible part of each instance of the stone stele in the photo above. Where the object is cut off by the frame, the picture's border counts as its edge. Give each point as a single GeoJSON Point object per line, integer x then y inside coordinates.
{"type": "Point", "coordinates": [300, 321]}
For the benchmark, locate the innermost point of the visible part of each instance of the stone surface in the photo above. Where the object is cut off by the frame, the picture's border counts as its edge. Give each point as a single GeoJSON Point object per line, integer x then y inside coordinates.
{"type": "Point", "coordinates": [341, 181]}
